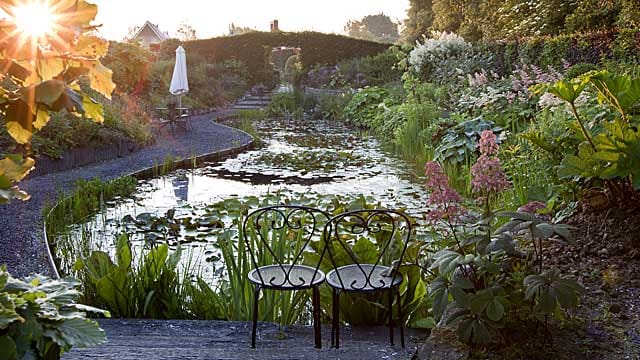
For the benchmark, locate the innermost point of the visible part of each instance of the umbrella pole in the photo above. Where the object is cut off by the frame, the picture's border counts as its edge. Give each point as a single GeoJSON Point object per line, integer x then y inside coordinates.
{"type": "Point", "coordinates": [179, 101]}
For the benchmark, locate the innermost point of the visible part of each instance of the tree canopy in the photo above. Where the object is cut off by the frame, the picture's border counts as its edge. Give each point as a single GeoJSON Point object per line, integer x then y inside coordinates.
{"type": "Point", "coordinates": [377, 27]}
{"type": "Point", "coordinates": [503, 19]}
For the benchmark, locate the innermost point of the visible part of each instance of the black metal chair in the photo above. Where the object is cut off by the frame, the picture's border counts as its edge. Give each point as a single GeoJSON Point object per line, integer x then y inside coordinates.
{"type": "Point", "coordinates": [389, 231]}
{"type": "Point", "coordinates": [280, 267]}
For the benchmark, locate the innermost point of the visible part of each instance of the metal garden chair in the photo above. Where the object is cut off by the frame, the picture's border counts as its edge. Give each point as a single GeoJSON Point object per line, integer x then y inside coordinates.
{"type": "Point", "coordinates": [277, 237]}
{"type": "Point", "coordinates": [389, 231]}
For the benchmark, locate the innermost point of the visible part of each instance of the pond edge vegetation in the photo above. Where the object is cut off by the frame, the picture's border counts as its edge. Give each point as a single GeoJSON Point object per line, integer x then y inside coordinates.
{"type": "Point", "coordinates": [169, 164]}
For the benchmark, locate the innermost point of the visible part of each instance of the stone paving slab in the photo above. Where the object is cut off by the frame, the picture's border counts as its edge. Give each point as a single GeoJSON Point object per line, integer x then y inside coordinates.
{"type": "Point", "coordinates": [185, 339]}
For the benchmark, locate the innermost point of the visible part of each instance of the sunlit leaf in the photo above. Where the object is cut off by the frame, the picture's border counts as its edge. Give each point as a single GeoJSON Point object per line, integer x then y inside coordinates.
{"type": "Point", "coordinates": [49, 68]}
{"type": "Point", "coordinates": [42, 118]}
{"type": "Point", "coordinates": [92, 109]}
{"type": "Point", "coordinates": [100, 79]}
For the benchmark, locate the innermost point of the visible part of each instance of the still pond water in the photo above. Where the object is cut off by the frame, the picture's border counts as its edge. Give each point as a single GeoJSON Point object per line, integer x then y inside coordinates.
{"type": "Point", "coordinates": [315, 163]}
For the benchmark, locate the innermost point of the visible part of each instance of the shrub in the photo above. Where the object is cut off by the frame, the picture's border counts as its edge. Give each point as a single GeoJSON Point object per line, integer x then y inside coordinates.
{"type": "Point", "coordinates": [249, 48]}
{"type": "Point", "coordinates": [486, 277]}
{"type": "Point", "coordinates": [286, 104]}
{"type": "Point", "coordinates": [41, 319]}
{"type": "Point", "coordinates": [610, 147]}
{"type": "Point", "coordinates": [445, 57]}
{"type": "Point", "coordinates": [459, 143]}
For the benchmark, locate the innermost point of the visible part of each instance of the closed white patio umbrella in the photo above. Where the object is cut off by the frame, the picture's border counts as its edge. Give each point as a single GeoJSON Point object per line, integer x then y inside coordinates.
{"type": "Point", "coordinates": [179, 83]}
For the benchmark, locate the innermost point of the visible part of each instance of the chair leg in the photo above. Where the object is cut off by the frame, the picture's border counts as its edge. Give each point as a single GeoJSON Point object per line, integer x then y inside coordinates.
{"type": "Point", "coordinates": [316, 317]}
{"type": "Point", "coordinates": [391, 316]}
{"type": "Point", "coordinates": [256, 296]}
{"type": "Point", "coordinates": [335, 328]}
{"type": "Point", "coordinates": [400, 318]}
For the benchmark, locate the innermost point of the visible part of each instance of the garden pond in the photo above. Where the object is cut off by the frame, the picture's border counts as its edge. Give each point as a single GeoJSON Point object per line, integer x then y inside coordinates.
{"type": "Point", "coordinates": [315, 163]}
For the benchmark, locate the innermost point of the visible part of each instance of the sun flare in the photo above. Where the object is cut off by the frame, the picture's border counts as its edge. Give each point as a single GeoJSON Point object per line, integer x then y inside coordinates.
{"type": "Point", "coordinates": [34, 19]}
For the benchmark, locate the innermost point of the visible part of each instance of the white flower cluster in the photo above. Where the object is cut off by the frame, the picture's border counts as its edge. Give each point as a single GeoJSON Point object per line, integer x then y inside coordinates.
{"type": "Point", "coordinates": [441, 46]}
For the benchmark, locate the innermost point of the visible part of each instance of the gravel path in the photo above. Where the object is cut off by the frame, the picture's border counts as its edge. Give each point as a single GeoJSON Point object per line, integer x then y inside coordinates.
{"type": "Point", "coordinates": [22, 245]}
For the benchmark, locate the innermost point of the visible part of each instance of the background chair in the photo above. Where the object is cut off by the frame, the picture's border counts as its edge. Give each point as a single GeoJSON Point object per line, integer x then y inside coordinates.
{"type": "Point", "coordinates": [277, 238]}
{"type": "Point", "coordinates": [356, 270]}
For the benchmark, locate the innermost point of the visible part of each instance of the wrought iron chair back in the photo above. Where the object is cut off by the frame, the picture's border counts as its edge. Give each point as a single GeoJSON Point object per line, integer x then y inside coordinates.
{"type": "Point", "coordinates": [349, 239]}
{"type": "Point", "coordinates": [291, 229]}
{"type": "Point", "coordinates": [277, 238]}
{"type": "Point", "coordinates": [391, 231]}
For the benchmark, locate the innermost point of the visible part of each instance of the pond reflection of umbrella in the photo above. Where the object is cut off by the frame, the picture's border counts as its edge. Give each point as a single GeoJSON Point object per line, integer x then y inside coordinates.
{"type": "Point", "coordinates": [179, 83]}
{"type": "Point", "coordinates": [181, 187]}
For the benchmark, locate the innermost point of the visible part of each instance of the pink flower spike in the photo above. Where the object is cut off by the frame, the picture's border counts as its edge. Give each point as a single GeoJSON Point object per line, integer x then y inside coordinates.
{"type": "Point", "coordinates": [444, 202]}
{"type": "Point", "coordinates": [488, 143]}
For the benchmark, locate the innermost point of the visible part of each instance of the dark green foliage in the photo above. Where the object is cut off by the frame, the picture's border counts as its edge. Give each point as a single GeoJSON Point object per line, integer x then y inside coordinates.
{"type": "Point", "coordinates": [517, 19]}
{"type": "Point", "coordinates": [286, 104]}
{"type": "Point", "coordinates": [317, 48]}
{"type": "Point", "coordinates": [41, 318]}
{"type": "Point", "coordinates": [460, 143]}
{"type": "Point", "coordinates": [488, 278]}
{"type": "Point", "coordinates": [590, 47]}
{"type": "Point", "coordinates": [419, 20]}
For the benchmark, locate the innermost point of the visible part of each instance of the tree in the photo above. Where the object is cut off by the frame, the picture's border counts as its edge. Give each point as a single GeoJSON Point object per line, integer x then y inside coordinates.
{"type": "Point", "coordinates": [131, 32]}
{"type": "Point", "coordinates": [130, 63]}
{"type": "Point", "coordinates": [237, 30]}
{"type": "Point", "coordinates": [419, 20]}
{"type": "Point", "coordinates": [41, 74]}
{"type": "Point", "coordinates": [186, 32]}
{"type": "Point", "coordinates": [373, 27]}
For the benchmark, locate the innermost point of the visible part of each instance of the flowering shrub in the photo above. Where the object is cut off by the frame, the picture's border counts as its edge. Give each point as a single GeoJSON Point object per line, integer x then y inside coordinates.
{"type": "Point", "coordinates": [449, 54]}
{"type": "Point", "coordinates": [486, 278]}
{"type": "Point", "coordinates": [442, 45]}
{"type": "Point", "coordinates": [507, 101]}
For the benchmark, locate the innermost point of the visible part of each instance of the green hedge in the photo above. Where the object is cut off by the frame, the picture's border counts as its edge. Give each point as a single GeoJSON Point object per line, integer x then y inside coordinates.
{"type": "Point", "coordinates": [250, 48]}
{"type": "Point", "coordinates": [621, 44]}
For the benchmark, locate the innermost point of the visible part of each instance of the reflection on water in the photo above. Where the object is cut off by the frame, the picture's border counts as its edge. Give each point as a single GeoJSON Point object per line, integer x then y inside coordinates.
{"type": "Point", "coordinates": [302, 159]}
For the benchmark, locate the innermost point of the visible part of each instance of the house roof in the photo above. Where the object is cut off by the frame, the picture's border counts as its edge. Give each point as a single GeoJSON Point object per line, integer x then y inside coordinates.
{"type": "Point", "coordinates": [154, 28]}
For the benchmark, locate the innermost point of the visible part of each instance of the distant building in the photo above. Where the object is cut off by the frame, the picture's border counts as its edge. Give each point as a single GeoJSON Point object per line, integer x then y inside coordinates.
{"type": "Point", "coordinates": [274, 26]}
{"type": "Point", "coordinates": [149, 34]}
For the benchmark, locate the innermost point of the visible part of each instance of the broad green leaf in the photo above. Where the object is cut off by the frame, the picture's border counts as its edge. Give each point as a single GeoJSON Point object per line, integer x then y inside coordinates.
{"type": "Point", "coordinates": [495, 310]}
{"type": "Point", "coordinates": [123, 252]}
{"type": "Point", "coordinates": [480, 332]}
{"type": "Point", "coordinates": [365, 251]}
{"type": "Point", "coordinates": [478, 302]}
{"type": "Point", "coordinates": [91, 309]}
{"type": "Point", "coordinates": [8, 346]}
{"type": "Point", "coordinates": [545, 230]}
{"type": "Point", "coordinates": [19, 121]}
{"type": "Point", "coordinates": [440, 295]}
{"type": "Point", "coordinates": [446, 261]}
{"type": "Point", "coordinates": [567, 90]}
{"type": "Point", "coordinates": [81, 332]}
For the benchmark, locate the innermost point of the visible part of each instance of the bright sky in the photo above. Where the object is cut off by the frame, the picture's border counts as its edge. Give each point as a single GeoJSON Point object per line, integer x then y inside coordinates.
{"type": "Point", "coordinates": [212, 17]}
